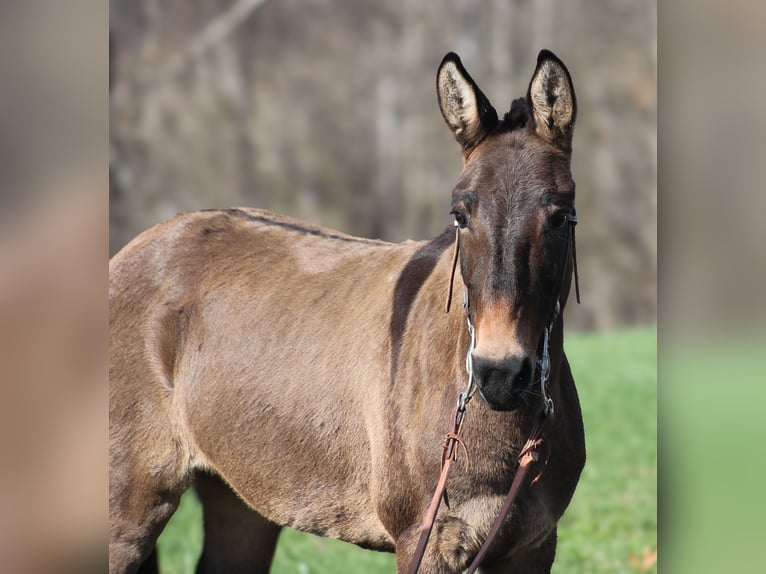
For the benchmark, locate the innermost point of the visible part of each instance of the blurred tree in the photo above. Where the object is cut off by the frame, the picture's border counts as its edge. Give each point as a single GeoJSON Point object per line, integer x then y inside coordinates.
{"type": "Point", "coordinates": [326, 110]}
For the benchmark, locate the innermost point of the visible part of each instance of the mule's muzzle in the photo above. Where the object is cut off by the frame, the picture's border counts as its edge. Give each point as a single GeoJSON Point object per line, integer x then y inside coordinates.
{"type": "Point", "coordinates": [503, 384]}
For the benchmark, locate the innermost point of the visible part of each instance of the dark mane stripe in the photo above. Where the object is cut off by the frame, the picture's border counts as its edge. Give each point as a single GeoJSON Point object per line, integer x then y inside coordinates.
{"type": "Point", "coordinates": [411, 279]}
{"type": "Point", "coordinates": [298, 227]}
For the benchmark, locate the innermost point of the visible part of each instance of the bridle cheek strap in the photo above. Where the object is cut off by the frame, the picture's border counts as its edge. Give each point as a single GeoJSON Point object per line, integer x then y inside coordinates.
{"type": "Point", "coordinates": [573, 223]}
{"type": "Point", "coordinates": [455, 254]}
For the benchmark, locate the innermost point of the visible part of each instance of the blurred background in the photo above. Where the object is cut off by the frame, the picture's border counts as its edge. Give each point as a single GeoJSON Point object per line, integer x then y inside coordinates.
{"type": "Point", "coordinates": [326, 110]}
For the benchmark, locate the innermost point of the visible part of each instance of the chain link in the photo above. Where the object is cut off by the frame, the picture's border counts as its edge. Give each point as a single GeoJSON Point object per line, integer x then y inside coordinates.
{"type": "Point", "coordinates": [467, 393]}
{"type": "Point", "coordinates": [544, 362]}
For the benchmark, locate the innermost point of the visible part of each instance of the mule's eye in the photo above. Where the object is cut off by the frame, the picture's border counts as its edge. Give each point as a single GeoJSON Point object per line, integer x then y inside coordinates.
{"type": "Point", "coordinates": [460, 218]}
{"type": "Point", "coordinates": [559, 218]}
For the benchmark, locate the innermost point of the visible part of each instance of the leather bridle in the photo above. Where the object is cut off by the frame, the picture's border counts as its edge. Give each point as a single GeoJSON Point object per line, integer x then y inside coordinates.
{"type": "Point", "coordinates": [532, 449]}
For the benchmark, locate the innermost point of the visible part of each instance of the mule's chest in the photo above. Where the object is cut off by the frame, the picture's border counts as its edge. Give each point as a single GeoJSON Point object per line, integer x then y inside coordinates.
{"type": "Point", "coordinates": [530, 521]}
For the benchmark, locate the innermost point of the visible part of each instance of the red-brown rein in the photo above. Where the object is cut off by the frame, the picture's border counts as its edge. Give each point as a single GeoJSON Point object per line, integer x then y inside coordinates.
{"type": "Point", "coordinates": [529, 453]}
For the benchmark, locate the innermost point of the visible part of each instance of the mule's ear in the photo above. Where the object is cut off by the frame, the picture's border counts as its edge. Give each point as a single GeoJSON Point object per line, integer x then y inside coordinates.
{"type": "Point", "coordinates": [465, 108]}
{"type": "Point", "coordinates": [551, 98]}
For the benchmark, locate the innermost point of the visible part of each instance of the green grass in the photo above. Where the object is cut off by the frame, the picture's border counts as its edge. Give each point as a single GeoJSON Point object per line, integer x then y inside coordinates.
{"type": "Point", "coordinates": [613, 515]}
{"type": "Point", "coordinates": [612, 521]}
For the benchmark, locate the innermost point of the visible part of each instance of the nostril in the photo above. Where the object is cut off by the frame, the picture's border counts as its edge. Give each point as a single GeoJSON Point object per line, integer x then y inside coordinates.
{"type": "Point", "coordinates": [489, 372]}
{"type": "Point", "coordinates": [480, 369]}
{"type": "Point", "coordinates": [523, 377]}
{"type": "Point", "coordinates": [511, 372]}
{"type": "Point", "coordinates": [501, 382]}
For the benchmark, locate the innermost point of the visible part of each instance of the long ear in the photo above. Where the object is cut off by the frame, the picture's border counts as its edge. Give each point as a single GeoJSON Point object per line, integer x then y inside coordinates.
{"type": "Point", "coordinates": [551, 98]}
{"type": "Point", "coordinates": [465, 108]}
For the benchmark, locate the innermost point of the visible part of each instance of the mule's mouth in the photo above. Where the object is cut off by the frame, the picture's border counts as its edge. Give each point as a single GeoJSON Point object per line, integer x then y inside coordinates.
{"type": "Point", "coordinates": [511, 403]}
{"type": "Point", "coordinates": [504, 385]}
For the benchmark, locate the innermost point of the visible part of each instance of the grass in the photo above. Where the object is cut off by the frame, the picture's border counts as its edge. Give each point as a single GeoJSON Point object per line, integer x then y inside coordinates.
{"type": "Point", "coordinates": [611, 525]}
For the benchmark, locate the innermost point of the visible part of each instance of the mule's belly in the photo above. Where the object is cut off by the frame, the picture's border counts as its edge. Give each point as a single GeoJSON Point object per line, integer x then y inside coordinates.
{"type": "Point", "coordinates": [301, 467]}
{"type": "Point", "coordinates": [302, 489]}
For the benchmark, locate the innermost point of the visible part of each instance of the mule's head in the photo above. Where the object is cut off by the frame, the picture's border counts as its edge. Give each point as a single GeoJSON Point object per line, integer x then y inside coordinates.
{"type": "Point", "coordinates": [512, 205]}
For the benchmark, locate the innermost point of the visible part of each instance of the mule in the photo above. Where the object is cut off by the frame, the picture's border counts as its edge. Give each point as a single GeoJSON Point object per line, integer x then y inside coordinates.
{"type": "Point", "coordinates": [304, 377]}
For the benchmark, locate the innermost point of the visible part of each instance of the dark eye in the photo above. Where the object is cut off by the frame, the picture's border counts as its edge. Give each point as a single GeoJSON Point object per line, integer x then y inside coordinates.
{"type": "Point", "coordinates": [460, 218]}
{"type": "Point", "coordinates": [559, 218]}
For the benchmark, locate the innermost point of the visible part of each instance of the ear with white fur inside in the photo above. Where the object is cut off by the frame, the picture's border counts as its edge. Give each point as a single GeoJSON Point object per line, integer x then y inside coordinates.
{"type": "Point", "coordinates": [551, 98]}
{"type": "Point", "coordinates": [465, 108]}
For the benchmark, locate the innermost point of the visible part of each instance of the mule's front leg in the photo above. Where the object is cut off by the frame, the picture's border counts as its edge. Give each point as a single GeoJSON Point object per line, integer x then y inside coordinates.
{"type": "Point", "coordinates": [452, 545]}
{"type": "Point", "coordinates": [237, 538]}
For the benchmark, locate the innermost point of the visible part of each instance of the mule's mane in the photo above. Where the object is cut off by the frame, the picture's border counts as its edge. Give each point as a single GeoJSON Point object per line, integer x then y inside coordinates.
{"type": "Point", "coordinates": [295, 225]}
{"type": "Point", "coordinates": [517, 117]}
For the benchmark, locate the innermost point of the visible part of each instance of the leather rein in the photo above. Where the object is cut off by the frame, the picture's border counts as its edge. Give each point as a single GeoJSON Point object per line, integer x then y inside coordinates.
{"type": "Point", "coordinates": [532, 449]}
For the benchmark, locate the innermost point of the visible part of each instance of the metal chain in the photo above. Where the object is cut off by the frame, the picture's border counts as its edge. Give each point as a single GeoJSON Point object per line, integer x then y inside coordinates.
{"type": "Point", "coordinates": [545, 368]}
{"type": "Point", "coordinates": [467, 393]}
{"type": "Point", "coordinates": [544, 362]}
